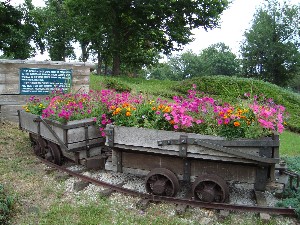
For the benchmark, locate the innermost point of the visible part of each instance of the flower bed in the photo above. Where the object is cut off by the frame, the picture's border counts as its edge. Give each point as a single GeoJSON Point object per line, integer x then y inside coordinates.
{"type": "Point", "coordinates": [253, 117]}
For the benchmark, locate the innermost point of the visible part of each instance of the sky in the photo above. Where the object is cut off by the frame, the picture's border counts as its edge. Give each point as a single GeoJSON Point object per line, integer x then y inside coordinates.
{"type": "Point", "coordinates": [234, 22]}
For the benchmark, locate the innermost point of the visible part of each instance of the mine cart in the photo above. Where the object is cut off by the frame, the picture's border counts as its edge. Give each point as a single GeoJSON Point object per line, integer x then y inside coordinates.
{"type": "Point", "coordinates": [209, 163]}
{"type": "Point", "coordinates": [78, 140]}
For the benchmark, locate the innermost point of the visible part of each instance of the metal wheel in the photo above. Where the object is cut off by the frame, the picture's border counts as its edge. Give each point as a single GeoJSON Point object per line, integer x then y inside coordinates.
{"type": "Point", "coordinates": [210, 188]}
{"type": "Point", "coordinates": [38, 144]}
{"type": "Point", "coordinates": [161, 181]}
{"type": "Point", "coordinates": [53, 153]}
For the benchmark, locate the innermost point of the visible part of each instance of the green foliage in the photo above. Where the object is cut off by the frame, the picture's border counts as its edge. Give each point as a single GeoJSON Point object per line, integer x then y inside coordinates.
{"type": "Point", "coordinates": [116, 84]}
{"type": "Point", "coordinates": [217, 59]}
{"type": "Point", "coordinates": [35, 105]}
{"type": "Point", "coordinates": [6, 205]}
{"type": "Point", "coordinates": [160, 71]}
{"type": "Point", "coordinates": [148, 114]}
{"type": "Point", "coordinates": [294, 84]}
{"type": "Point", "coordinates": [271, 51]}
{"type": "Point", "coordinates": [289, 144]}
{"type": "Point", "coordinates": [157, 88]}
{"type": "Point", "coordinates": [16, 32]}
{"type": "Point", "coordinates": [133, 32]}
{"type": "Point", "coordinates": [54, 30]}
{"type": "Point", "coordinates": [185, 65]}
{"type": "Point", "coordinates": [292, 196]}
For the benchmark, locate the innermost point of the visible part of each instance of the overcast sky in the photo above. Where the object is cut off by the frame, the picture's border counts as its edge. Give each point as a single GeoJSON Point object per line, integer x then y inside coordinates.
{"type": "Point", "coordinates": [234, 22]}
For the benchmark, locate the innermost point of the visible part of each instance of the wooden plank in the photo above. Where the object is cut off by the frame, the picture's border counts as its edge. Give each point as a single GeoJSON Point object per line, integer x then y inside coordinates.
{"type": "Point", "coordinates": [196, 155]}
{"type": "Point", "coordinates": [149, 162]}
{"type": "Point", "coordinates": [228, 171]}
{"type": "Point", "coordinates": [141, 163]}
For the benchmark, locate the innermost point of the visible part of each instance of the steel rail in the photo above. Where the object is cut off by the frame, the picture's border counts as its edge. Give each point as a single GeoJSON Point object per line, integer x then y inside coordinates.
{"type": "Point", "coordinates": [156, 198]}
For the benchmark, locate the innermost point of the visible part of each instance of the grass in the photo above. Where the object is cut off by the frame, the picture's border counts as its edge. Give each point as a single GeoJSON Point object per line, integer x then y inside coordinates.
{"type": "Point", "coordinates": [289, 144]}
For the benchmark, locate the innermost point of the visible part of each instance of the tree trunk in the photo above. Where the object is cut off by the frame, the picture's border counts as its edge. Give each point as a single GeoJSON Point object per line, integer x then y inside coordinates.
{"type": "Point", "coordinates": [105, 68]}
{"type": "Point", "coordinates": [99, 64]}
{"type": "Point", "coordinates": [116, 64]}
{"type": "Point", "coordinates": [84, 52]}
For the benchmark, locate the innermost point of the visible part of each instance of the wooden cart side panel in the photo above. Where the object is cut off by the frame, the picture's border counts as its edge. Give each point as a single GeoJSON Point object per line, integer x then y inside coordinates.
{"type": "Point", "coordinates": [230, 172]}
{"type": "Point", "coordinates": [72, 138]}
{"type": "Point", "coordinates": [78, 134]}
{"type": "Point", "coordinates": [149, 162]}
{"type": "Point", "coordinates": [197, 155]}
{"type": "Point", "coordinates": [26, 122]}
{"type": "Point", "coordinates": [148, 138]}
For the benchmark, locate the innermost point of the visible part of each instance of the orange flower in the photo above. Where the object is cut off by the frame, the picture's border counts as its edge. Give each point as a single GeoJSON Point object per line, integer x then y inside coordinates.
{"type": "Point", "coordinates": [172, 122]}
{"type": "Point", "coordinates": [117, 111]}
{"type": "Point", "coordinates": [167, 109]}
{"type": "Point", "coordinates": [153, 108]}
{"type": "Point", "coordinates": [113, 107]}
{"type": "Point", "coordinates": [124, 105]}
{"type": "Point", "coordinates": [128, 113]}
{"type": "Point", "coordinates": [236, 123]}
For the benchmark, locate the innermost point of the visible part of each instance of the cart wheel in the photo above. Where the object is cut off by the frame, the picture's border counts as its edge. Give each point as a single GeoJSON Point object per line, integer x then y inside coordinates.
{"type": "Point", "coordinates": [53, 153]}
{"type": "Point", "coordinates": [210, 188]}
{"type": "Point", "coordinates": [161, 181]}
{"type": "Point", "coordinates": [38, 144]}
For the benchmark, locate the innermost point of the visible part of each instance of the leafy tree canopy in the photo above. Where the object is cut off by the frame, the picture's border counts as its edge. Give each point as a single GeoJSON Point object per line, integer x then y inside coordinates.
{"type": "Point", "coordinates": [218, 59]}
{"type": "Point", "coordinates": [271, 49]}
{"type": "Point", "coordinates": [138, 26]}
{"type": "Point", "coordinates": [15, 32]}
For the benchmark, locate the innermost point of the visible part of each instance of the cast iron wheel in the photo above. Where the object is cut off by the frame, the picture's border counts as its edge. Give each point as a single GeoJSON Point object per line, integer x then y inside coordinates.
{"type": "Point", "coordinates": [210, 188]}
{"type": "Point", "coordinates": [38, 144]}
{"type": "Point", "coordinates": [161, 181]}
{"type": "Point", "coordinates": [53, 153]}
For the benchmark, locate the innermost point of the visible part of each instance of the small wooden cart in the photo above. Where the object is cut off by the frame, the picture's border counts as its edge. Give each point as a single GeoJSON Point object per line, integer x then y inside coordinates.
{"type": "Point", "coordinates": [78, 140]}
{"type": "Point", "coordinates": [209, 162]}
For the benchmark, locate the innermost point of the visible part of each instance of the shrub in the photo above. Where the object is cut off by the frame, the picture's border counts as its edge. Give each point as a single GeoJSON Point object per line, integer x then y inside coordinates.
{"type": "Point", "coordinates": [112, 83]}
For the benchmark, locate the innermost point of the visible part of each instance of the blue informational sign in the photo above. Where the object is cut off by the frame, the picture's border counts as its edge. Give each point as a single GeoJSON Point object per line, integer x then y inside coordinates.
{"type": "Point", "coordinates": [41, 81]}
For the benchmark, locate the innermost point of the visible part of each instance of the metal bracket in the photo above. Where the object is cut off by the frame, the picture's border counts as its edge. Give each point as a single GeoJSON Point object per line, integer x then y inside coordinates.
{"type": "Point", "coordinates": [119, 161]}
{"type": "Point", "coordinates": [183, 145]}
{"type": "Point", "coordinates": [110, 136]}
{"type": "Point", "coordinates": [186, 170]}
{"type": "Point", "coordinates": [86, 135]}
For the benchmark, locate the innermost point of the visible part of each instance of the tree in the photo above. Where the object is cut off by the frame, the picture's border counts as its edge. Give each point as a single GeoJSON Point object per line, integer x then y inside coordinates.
{"type": "Point", "coordinates": [271, 49]}
{"type": "Point", "coordinates": [218, 59]}
{"type": "Point", "coordinates": [141, 28]}
{"type": "Point", "coordinates": [186, 65]}
{"type": "Point", "coordinates": [160, 71]}
{"type": "Point", "coordinates": [55, 30]}
{"type": "Point", "coordinates": [16, 32]}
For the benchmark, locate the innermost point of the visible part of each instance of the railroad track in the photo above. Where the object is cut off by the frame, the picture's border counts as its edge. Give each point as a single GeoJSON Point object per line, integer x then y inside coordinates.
{"type": "Point", "coordinates": [178, 201]}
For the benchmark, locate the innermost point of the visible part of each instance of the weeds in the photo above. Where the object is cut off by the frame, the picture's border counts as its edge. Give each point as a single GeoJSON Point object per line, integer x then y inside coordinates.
{"type": "Point", "coordinates": [6, 205]}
